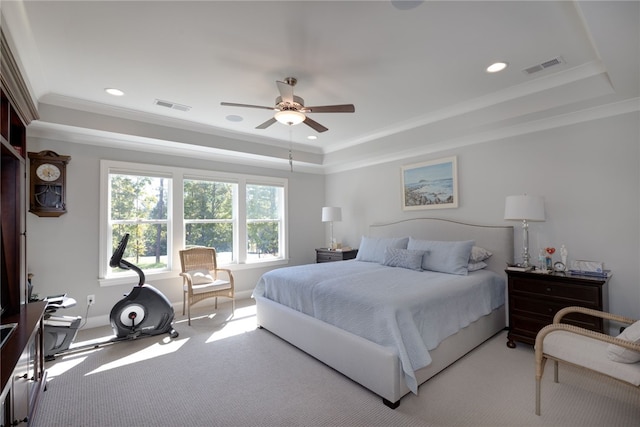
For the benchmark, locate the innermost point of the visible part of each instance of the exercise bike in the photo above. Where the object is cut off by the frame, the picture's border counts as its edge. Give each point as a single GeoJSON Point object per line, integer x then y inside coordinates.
{"type": "Point", "coordinates": [143, 312]}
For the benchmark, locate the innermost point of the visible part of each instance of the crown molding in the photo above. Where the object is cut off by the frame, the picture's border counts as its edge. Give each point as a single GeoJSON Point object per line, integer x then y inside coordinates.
{"type": "Point", "coordinates": [14, 85]}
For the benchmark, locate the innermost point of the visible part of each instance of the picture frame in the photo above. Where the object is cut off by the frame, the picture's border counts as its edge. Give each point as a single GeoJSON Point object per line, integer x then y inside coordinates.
{"type": "Point", "coordinates": [430, 185]}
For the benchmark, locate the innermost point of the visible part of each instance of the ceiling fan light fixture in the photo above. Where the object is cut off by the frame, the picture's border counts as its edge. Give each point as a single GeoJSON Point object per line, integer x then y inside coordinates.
{"type": "Point", "coordinates": [290, 117]}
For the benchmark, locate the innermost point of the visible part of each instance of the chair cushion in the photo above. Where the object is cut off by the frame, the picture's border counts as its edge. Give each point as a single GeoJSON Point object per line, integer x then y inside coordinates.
{"type": "Point", "coordinates": [216, 285]}
{"type": "Point", "coordinates": [624, 355]}
{"type": "Point", "coordinates": [589, 353]}
{"type": "Point", "coordinates": [200, 276]}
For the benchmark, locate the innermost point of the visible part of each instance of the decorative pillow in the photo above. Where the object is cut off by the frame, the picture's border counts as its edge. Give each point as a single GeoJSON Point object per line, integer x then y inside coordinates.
{"type": "Point", "coordinates": [445, 257]}
{"type": "Point", "coordinates": [475, 266]}
{"type": "Point", "coordinates": [479, 254]}
{"type": "Point", "coordinates": [372, 248]}
{"type": "Point", "coordinates": [200, 276]}
{"type": "Point", "coordinates": [404, 258]}
{"type": "Point", "coordinates": [624, 355]}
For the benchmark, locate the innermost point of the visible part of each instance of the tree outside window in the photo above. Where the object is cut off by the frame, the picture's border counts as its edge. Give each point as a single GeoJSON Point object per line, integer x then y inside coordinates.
{"type": "Point", "coordinates": [166, 209]}
{"type": "Point", "coordinates": [139, 207]}
{"type": "Point", "coordinates": [264, 221]}
{"type": "Point", "coordinates": [208, 216]}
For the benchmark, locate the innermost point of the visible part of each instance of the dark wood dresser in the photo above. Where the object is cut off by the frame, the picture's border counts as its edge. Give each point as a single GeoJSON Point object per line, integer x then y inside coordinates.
{"type": "Point", "coordinates": [328, 255]}
{"type": "Point", "coordinates": [22, 368]}
{"type": "Point", "coordinates": [535, 298]}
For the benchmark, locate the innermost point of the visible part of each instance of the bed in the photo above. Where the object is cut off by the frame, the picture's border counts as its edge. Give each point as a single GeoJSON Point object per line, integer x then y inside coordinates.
{"type": "Point", "coordinates": [395, 362]}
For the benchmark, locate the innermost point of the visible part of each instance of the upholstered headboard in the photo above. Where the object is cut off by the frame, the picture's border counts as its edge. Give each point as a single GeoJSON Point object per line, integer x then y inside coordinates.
{"type": "Point", "coordinates": [496, 238]}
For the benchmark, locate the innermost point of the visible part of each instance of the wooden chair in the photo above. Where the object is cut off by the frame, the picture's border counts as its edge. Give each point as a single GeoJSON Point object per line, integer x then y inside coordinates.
{"type": "Point", "coordinates": [201, 278]}
{"type": "Point", "coordinates": [586, 349]}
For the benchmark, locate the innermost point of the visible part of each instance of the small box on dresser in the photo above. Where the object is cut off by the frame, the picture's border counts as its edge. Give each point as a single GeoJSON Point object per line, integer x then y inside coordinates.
{"type": "Point", "coordinates": [534, 298]}
{"type": "Point", "coordinates": [329, 255]}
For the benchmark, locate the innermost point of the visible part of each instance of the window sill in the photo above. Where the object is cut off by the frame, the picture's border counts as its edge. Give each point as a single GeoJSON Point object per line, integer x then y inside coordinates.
{"type": "Point", "coordinates": [132, 279]}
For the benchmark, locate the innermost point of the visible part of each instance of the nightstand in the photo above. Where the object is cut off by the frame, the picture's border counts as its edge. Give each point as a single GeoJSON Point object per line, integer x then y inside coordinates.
{"type": "Point", "coordinates": [327, 255]}
{"type": "Point", "coordinates": [534, 298]}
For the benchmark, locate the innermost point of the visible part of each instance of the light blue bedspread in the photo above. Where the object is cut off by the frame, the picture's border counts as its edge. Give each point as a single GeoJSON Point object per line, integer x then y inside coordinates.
{"type": "Point", "coordinates": [409, 311]}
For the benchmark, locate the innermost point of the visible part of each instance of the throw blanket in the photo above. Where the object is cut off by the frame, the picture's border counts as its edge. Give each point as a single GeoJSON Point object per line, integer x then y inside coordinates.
{"type": "Point", "coordinates": [409, 311]}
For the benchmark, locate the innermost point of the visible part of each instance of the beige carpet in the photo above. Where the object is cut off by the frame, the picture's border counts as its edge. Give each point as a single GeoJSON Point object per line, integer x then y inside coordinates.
{"type": "Point", "coordinates": [225, 372]}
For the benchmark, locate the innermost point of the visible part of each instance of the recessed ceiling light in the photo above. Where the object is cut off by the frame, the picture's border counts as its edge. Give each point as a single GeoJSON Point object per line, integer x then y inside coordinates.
{"type": "Point", "coordinates": [114, 92]}
{"type": "Point", "coordinates": [495, 67]}
{"type": "Point", "coordinates": [234, 118]}
{"type": "Point", "coordinates": [312, 137]}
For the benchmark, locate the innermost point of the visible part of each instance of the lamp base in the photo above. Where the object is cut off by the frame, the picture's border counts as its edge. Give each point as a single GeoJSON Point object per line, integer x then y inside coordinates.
{"type": "Point", "coordinates": [525, 240]}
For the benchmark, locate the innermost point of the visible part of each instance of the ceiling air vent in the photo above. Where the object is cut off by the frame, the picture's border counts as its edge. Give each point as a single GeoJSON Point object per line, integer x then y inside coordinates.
{"type": "Point", "coordinates": [172, 105]}
{"type": "Point", "coordinates": [543, 66]}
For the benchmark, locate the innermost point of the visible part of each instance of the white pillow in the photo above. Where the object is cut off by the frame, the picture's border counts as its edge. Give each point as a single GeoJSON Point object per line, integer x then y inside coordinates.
{"type": "Point", "coordinates": [479, 254]}
{"type": "Point", "coordinates": [475, 266]}
{"type": "Point", "coordinates": [624, 355]}
{"type": "Point", "coordinates": [372, 248]}
{"type": "Point", "coordinates": [445, 257]}
{"type": "Point", "coordinates": [404, 258]}
{"type": "Point", "coordinates": [200, 276]}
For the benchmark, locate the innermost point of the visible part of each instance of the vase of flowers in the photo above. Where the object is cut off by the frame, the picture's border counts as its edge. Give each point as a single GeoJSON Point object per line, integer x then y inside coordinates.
{"type": "Point", "coordinates": [549, 258]}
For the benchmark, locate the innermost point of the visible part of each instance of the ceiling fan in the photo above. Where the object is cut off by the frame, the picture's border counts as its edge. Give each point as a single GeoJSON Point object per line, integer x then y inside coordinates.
{"type": "Point", "coordinates": [290, 109]}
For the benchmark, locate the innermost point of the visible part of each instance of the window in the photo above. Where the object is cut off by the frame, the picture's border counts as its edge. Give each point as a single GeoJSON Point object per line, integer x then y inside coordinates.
{"type": "Point", "coordinates": [264, 221]}
{"type": "Point", "coordinates": [208, 216]}
{"type": "Point", "coordinates": [138, 206]}
{"type": "Point", "coordinates": [165, 209]}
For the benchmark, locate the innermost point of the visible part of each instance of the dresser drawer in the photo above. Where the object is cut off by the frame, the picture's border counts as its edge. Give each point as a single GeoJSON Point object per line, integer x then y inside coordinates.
{"type": "Point", "coordinates": [325, 255]}
{"type": "Point", "coordinates": [329, 256]}
{"type": "Point", "coordinates": [586, 296]}
{"type": "Point", "coordinates": [534, 299]}
{"type": "Point", "coordinates": [540, 311]}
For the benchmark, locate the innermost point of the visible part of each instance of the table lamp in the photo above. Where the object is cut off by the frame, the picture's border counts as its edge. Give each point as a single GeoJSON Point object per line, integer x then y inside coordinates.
{"type": "Point", "coordinates": [331, 214]}
{"type": "Point", "coordinates": [524, 208]}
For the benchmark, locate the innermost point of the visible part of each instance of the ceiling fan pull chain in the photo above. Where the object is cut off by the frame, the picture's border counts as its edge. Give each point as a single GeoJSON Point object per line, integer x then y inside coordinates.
{"type": "Point", "coordinates": [290, 148]}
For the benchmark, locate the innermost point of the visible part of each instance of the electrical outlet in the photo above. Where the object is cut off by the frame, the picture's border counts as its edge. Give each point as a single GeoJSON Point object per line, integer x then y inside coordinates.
{"type": "Point", "coordinates": [91, 299]}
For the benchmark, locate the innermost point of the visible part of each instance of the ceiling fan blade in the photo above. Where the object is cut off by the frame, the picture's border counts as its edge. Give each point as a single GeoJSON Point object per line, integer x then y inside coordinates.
{"type": "Point", "coordinates": [266, 124]}
{"type": "Point", "coordinates": [232, 104]}
{"type": "Point", "coordinates": [315, 125]}
{"type": "Point", "coordinates": [286, 91]}
{"type": "Point", "coordinates": [344, 108]}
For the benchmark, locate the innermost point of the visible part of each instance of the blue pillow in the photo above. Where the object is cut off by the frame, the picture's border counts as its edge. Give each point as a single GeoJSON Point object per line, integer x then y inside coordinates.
{"type": "Point", "coordinates": [404, 258]}
{"type": "Point", "coordinates": [445, 257]}
{"type": "Point", "coordinates": [372, 248]}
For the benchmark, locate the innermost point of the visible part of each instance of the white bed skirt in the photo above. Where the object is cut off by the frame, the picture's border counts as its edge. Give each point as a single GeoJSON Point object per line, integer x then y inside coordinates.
{"type": "Point", "coordinates": [375, 367]}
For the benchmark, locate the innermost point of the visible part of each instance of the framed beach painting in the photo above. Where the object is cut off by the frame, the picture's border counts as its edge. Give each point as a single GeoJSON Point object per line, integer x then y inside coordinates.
{"type": "Point", "coordinates": [430, 185]}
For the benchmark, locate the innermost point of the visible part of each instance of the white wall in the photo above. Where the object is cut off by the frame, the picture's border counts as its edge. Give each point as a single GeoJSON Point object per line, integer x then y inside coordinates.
{"type": "Point", "coordinates": [62, 252]}
{"type": "Point", "coordinates": [589, 174]}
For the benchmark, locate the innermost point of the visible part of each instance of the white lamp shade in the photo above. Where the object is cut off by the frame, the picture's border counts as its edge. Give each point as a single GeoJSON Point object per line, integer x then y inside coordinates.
{"type": "Point", "coordinates": [290, 117]}
{"type": "Point", "coordinates": [524, 207]}
{"type": "Point", "coordinates": [331, 214]}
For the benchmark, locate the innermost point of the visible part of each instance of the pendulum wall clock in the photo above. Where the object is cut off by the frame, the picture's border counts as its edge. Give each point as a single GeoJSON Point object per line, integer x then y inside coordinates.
{"type": "Point", "coordinates": [48, 183]}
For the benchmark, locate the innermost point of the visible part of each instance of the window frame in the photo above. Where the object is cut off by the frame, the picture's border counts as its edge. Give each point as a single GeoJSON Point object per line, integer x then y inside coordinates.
{"type": "Point", "coordinates": [176, 221]}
